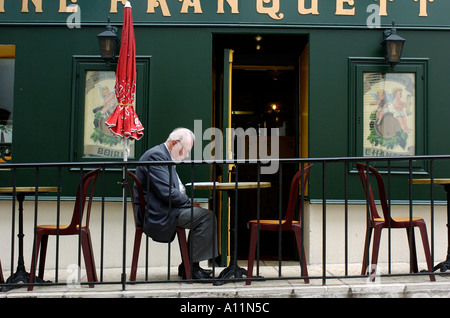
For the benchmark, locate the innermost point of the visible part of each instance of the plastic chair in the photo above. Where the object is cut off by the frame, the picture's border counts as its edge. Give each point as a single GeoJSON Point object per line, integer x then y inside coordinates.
{"type": "Point", "coordinates": [2, 279]}
{"type": "Point", "coordinates": [85, 189]}
{"type": "Point", "coordinates": [181, 232]}
{"type": "Point", "coordinates": [378, 223]}
{"type": "Point", "coordinates": [287, 224]}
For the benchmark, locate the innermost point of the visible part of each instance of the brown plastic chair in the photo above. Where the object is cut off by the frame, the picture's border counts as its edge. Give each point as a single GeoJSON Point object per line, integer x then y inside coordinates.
{"type": "Point", "coordinates": [378, 223]}
{"type": "Point", "coordinates": [181, 232]}
{"type": "Point", "coordinates": [85, 189]}
{"type": "Point", "coordinates": [287, 224]}
{"type": "Point", "coordinates": [2, 279]}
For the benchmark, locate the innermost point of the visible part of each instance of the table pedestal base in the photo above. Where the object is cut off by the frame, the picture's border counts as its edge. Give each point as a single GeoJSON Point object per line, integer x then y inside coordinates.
{"type": "Point", "coordinates": [443, 266]}
{"type": "Point", "coordinates": [230, 272]}
{"type": "Point", "coordinates": [19, 278]}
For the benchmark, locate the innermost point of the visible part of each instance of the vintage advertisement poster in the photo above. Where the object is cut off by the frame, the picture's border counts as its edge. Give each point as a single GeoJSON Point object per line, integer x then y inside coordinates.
{"type": "Point", "coordinates": [389, 114]}
{"type": "Point", "coordinates": [100, 101]}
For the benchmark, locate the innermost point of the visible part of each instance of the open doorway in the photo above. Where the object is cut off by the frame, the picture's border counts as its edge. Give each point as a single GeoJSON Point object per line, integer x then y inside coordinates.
{"type": "Point", "coordinates": [261, 86]}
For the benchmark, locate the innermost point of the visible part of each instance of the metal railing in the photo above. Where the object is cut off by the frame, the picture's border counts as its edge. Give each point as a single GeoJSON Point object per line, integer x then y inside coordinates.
{"type": "Point", "coordinates": [333, 181]}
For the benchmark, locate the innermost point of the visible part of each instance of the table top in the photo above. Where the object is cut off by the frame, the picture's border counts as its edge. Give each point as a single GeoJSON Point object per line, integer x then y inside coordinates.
{"type": "Point", "coordinates": [229, 185]}
{"type": "Point", "coordinates": [428, 181]}
{"type": "Point", "coordinates": [10, 190]}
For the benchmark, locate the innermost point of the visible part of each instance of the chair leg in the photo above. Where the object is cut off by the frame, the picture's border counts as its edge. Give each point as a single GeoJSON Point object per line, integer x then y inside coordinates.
{"type": "Point", "coordinates": [365, 263]}
{"type": "Point", "coordinates": [44, 241]}
{"type": "Point", "coordinates": [88, 254]}
{"type": "Point", "coordinates": [301, 253]}
{"type": "Point", "coordinates": [181, 233]}
{"type": "Point", "coordinates": [137, 246]}
{"type": "Point", "coordinates": [375, 249]}
{"type": "Point", "coordinates": [412, 250]}
{"type": "Point", "coordinates": [251, 252]}
{"type": "Point", "coordinates": [426, 248]}
{"type": "Point", "coordinates": [34, 257]}
{"type": "Point", "coordinates": [2, 279]}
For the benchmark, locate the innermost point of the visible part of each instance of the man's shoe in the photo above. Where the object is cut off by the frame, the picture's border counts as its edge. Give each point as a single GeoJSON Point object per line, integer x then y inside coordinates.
{"type": "Point", "coordinates": [197, 272]}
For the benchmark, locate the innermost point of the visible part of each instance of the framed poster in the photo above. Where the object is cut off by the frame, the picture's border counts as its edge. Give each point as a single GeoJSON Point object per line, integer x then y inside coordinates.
{"type": "Point", "coordinates": [99, 102]}
{"type": "Point", "coordinates": [94, 100]}
{"type": "Point", "coordinates": [389, 113]}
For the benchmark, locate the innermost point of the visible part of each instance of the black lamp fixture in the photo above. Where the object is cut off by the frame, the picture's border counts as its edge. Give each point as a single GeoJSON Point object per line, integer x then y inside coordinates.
{"type": "Point", "coordinates": [393, 46]}
{"type": "Point", "coordinates": [109, 41]}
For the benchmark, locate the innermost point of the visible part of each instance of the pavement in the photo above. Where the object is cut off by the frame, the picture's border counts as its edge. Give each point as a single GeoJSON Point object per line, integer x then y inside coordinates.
{"type": "Point", "coordinates": [288, 286]}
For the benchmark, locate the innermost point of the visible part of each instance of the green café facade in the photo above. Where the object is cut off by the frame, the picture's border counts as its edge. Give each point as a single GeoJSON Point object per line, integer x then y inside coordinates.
{"type": "Point", "coordinates": [314, 69]}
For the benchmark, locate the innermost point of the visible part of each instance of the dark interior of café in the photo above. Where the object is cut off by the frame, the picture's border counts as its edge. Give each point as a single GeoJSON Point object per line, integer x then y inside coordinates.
{"type": "Point", "coordinates": [265, 94]}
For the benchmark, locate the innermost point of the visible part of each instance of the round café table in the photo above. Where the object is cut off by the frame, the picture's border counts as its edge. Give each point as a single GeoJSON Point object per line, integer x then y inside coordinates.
{"type": "Point", "coordinates": [21, 275]}
{"type": "Point", "coordinates": [232, 270]}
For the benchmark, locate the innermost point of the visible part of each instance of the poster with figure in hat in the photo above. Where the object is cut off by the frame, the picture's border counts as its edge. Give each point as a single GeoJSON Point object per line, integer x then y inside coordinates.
{"type": "Point", "coordinates": [389, 114]}
{"type": "Point", "coordinates": [100, 102]}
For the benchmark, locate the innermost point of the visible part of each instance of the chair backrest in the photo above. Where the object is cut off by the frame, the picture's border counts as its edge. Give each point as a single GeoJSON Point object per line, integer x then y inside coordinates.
{"type": "Point", "coordinates": [365, 180]}
{"type": "Point", "coordinates": [140, 198]}
{"type": "Point", "coordinates": [85, 189]}
{"type": "Point", "coordinates": [301, 175]}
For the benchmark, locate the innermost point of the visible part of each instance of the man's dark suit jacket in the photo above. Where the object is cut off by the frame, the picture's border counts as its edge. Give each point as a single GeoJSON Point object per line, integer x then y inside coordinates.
{"type": "Point", "coordinates": [159, 223]}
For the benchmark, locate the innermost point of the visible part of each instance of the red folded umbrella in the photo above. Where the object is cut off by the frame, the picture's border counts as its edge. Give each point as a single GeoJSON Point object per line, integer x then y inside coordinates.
{"type": "Point", "coordinates": [123, 121]}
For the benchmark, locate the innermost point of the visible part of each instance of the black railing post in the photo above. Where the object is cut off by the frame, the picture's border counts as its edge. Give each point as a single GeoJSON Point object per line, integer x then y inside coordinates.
{"type": "Point", "coordinates": [412, 243]}
{"type": "Point", "coordinates": [191, 239]}
{"type": "Point", "coordinates": [280, 218]}
{"type": "Point", "coordinates": [80, 222]}
{"type": "Point", "coordinates": [324, 223]}
{"type": "Point", "coordinates": [345, 215]}
{"type": "Point", "coordinates": [235, 218]}
{"type": "Point", "coordinates": [389, 218]}
{"type": "Point", "coordinates": [302, 218]}
{"type": "Point", "coordinates": [170, 211]}
{"type": "Point", "coordinates": [258, 213]}
{"type": "Point", "coordinates": [147, 241]}
{"type": "Point", "coordinates": [214, 250]}
{"type": "Point", "coordinates": [102, 225]}
{"type": "Point", "coordinates": [58, 220]}
{"type": "Point", "coordinates": [432, 208]}
{"type": "Point", "coordinates": [124, 216]}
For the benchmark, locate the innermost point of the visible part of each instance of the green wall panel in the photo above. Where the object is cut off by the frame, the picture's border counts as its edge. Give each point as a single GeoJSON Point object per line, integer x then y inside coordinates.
{"type": "Point", "coordinates": [180, 86]}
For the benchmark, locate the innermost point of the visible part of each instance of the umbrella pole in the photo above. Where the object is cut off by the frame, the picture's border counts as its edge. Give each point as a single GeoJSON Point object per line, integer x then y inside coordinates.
{"type": "Point", "coordinates": [124, 209]}
{"type": "Point", "coordinates": [125, 149]}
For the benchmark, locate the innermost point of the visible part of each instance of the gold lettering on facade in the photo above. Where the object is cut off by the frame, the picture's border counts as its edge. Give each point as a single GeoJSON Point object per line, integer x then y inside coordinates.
{"type": "Point", "coordinates": [232, 3]}
{"type": "Point", "coordinates": [423, 7]}
{"type": "Point", "coordinates": [383, 7]}
{"type": "Point", "coordinates": [268, 7]}
{"type": "Point", "coordinates": [64, 8]}
{"type": "Point", "coordinates": [152, 4]}
{"type": "Point", "coordinates": [340, 10]}
{"type": "Point", "coordinates": [37, 5]}
{"type": "Point", "coordinates": [272, 11]}
{"type": "Point", "coordinates": [113, 8]}
{"type": "Point", "coordinates": [313, 9]}
{"type": "Point", "coordinates": [191, 3]}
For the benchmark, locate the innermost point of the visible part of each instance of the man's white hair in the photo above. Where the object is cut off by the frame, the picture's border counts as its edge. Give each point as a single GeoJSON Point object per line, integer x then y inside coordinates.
{"type": "Point", "coordinates": [180, 134]}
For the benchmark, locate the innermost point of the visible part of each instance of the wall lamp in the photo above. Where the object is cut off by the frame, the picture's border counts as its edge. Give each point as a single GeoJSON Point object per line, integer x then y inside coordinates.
{"type": "Point", "coordinates": [109, 42]}
{"type": "Point", "coordinates": [393, 46]}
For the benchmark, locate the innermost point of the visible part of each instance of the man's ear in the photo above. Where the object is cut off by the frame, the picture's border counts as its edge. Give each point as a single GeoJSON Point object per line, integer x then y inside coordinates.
{"type": "Point", "coordinates": [171, 144]}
